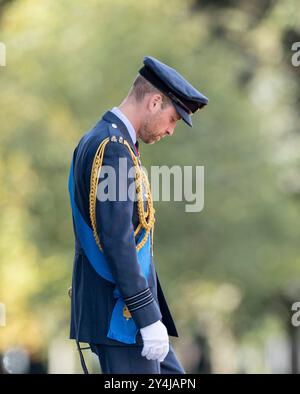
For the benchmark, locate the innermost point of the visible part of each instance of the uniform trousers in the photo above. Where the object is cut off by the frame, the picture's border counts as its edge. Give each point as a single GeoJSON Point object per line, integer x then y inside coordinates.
{"type": "Point", "coordinates": [128, 360]}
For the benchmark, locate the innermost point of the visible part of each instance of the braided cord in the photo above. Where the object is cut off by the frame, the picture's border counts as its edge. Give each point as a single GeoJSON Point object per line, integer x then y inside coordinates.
{"type": "Point", "coordinates": [97, 163]}
{"type": "Point", "coordinates": [146, 218]}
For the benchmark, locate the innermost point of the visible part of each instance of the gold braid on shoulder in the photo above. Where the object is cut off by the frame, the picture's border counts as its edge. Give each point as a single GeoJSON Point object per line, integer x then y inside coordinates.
{"type": "Point", "coordinates": [146, 218]}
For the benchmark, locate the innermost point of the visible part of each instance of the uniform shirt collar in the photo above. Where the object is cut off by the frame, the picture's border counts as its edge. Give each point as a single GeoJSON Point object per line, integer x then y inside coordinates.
{"type": "Point", "coordinates": [127, 123]}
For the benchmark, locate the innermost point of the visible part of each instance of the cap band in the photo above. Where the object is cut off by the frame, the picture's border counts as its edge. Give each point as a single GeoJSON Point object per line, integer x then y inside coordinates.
{"type": "Point", "coordinates": [179, 102]}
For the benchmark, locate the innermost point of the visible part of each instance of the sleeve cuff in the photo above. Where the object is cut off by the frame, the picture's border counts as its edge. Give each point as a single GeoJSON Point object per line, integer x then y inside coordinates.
{"type": "Point", "coordinates": [143, 308]}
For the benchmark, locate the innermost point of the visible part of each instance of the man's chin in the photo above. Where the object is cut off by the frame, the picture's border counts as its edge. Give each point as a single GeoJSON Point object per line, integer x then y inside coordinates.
{"type": "Point", "coordinates": [151, 142]}
{"type": "Point", "coordinates": [154, 141]}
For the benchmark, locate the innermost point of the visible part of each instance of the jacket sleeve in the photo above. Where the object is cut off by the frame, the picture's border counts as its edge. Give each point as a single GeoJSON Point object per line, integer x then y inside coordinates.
{"type": "Point", "coordinates": [116, 234]}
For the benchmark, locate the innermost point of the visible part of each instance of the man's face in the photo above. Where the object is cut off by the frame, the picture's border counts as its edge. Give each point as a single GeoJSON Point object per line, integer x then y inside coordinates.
{"type": "Point", "coordinates": [159, 124]}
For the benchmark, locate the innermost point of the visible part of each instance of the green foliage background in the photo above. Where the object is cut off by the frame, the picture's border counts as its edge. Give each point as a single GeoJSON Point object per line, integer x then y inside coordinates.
{"type": "Point", "coordinates": [235, 262]}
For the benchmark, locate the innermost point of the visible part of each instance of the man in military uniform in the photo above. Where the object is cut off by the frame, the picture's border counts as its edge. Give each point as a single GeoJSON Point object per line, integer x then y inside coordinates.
{"type": "Point", "coordinates": [117, 304]}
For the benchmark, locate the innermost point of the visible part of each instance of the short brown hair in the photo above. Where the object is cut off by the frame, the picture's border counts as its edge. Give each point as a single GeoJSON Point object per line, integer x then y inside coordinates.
{"type": "Point", "coordinates": [141, 87]}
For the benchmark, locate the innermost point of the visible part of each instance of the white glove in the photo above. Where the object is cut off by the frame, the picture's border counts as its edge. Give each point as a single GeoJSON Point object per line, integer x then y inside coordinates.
{"type": "Point", "coordinates": [156, 341]}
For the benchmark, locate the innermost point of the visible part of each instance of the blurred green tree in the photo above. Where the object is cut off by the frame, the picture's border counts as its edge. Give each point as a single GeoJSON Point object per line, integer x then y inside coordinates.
{"type": "Point", "coordinates": [67, 63]}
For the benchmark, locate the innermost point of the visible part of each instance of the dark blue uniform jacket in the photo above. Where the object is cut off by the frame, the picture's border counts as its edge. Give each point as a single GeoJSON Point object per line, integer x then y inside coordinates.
{"type": "Point", "coordinates": [92, 299]}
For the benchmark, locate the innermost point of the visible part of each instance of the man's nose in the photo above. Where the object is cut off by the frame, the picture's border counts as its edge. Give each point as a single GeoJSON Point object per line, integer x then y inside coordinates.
{"type": "Point", "coordinates": [170, 131]}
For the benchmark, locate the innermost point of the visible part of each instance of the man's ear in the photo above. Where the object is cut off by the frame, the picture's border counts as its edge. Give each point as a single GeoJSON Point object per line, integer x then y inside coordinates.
{"type": "Point", "coordinates": [154, 103]}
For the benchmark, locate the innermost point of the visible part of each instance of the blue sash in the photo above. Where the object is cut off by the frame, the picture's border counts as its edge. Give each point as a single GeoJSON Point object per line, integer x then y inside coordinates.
{"type": "Point", "coordinates": [120, 328]}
